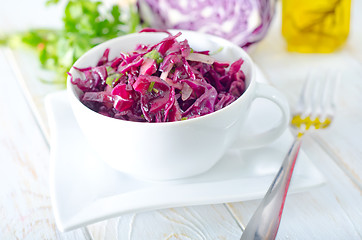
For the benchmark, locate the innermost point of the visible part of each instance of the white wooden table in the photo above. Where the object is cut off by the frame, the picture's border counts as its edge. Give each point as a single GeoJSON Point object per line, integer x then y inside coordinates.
{"type": "Point", "coordinates": [331, 211]}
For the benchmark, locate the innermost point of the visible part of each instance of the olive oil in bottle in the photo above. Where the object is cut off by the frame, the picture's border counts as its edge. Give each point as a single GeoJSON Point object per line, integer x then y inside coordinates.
{"type": "Point", "coordinates": [315, 26]}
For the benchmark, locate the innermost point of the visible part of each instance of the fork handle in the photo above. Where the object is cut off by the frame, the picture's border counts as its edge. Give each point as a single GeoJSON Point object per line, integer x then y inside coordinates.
{"type": "Point", "coordinates": [265, 222]}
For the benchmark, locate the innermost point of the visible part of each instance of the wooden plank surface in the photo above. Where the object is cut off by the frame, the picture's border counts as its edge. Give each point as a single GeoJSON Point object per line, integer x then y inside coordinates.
{"type": "Point", "coordinates": [332, 211]}
{"type": "Point", "coordinates": [201, 222]}
{"type": "Point", "coordinates": [25, 207]}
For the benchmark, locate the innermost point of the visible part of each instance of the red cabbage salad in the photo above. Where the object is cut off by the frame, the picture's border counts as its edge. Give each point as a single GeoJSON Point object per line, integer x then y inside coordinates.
{"type": "Point", "coordinates": [165, 82]}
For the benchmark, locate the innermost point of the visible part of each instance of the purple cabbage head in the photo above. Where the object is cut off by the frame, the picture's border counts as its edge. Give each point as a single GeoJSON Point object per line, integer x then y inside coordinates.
{"type": "Point", "coordinates": [242, 22]}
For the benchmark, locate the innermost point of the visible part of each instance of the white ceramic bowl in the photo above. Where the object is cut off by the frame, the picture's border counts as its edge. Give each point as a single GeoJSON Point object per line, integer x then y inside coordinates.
{"type": "Point", "coordinates": [163, 151]}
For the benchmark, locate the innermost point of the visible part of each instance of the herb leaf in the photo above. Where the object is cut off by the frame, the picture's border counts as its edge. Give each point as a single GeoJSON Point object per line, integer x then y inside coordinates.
{"type": "Point", "coordinates": [86, 23]}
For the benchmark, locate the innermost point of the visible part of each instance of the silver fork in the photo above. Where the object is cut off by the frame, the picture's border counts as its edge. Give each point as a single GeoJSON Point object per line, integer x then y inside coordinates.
{"type": "Point", "coordinates": [315, 110]}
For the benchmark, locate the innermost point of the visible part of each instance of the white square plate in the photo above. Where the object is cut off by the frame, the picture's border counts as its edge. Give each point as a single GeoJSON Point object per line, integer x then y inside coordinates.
{"type": "Point", "coordinates": [85, 190]}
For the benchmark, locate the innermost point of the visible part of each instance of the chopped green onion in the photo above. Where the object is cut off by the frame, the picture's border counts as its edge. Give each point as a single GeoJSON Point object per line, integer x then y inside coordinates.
{"type": "Point", "coordinates": [183, 118]}
{"type": "Point", "coordinates": [109, 69]}
{"type": "Point", "coordinates": [154, 54]}
{"type": "Point", "coordinates": [150, 87]}
{"type": "Point", "coordinates": [111, 79]}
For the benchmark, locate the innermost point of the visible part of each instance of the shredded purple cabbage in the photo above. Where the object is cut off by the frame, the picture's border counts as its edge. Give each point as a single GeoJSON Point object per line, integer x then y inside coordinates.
{"type": "Point", "coordinates": [164, 82]}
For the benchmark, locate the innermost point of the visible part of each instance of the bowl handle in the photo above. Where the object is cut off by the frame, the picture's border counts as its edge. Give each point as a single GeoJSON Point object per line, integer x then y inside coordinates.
{"type": "Point", "coordinates": [259, 139]}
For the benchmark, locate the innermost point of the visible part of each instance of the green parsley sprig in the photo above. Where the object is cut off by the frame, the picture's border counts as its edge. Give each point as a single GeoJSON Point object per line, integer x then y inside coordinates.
{"type": "Point", "coordinates": [86, 23]}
